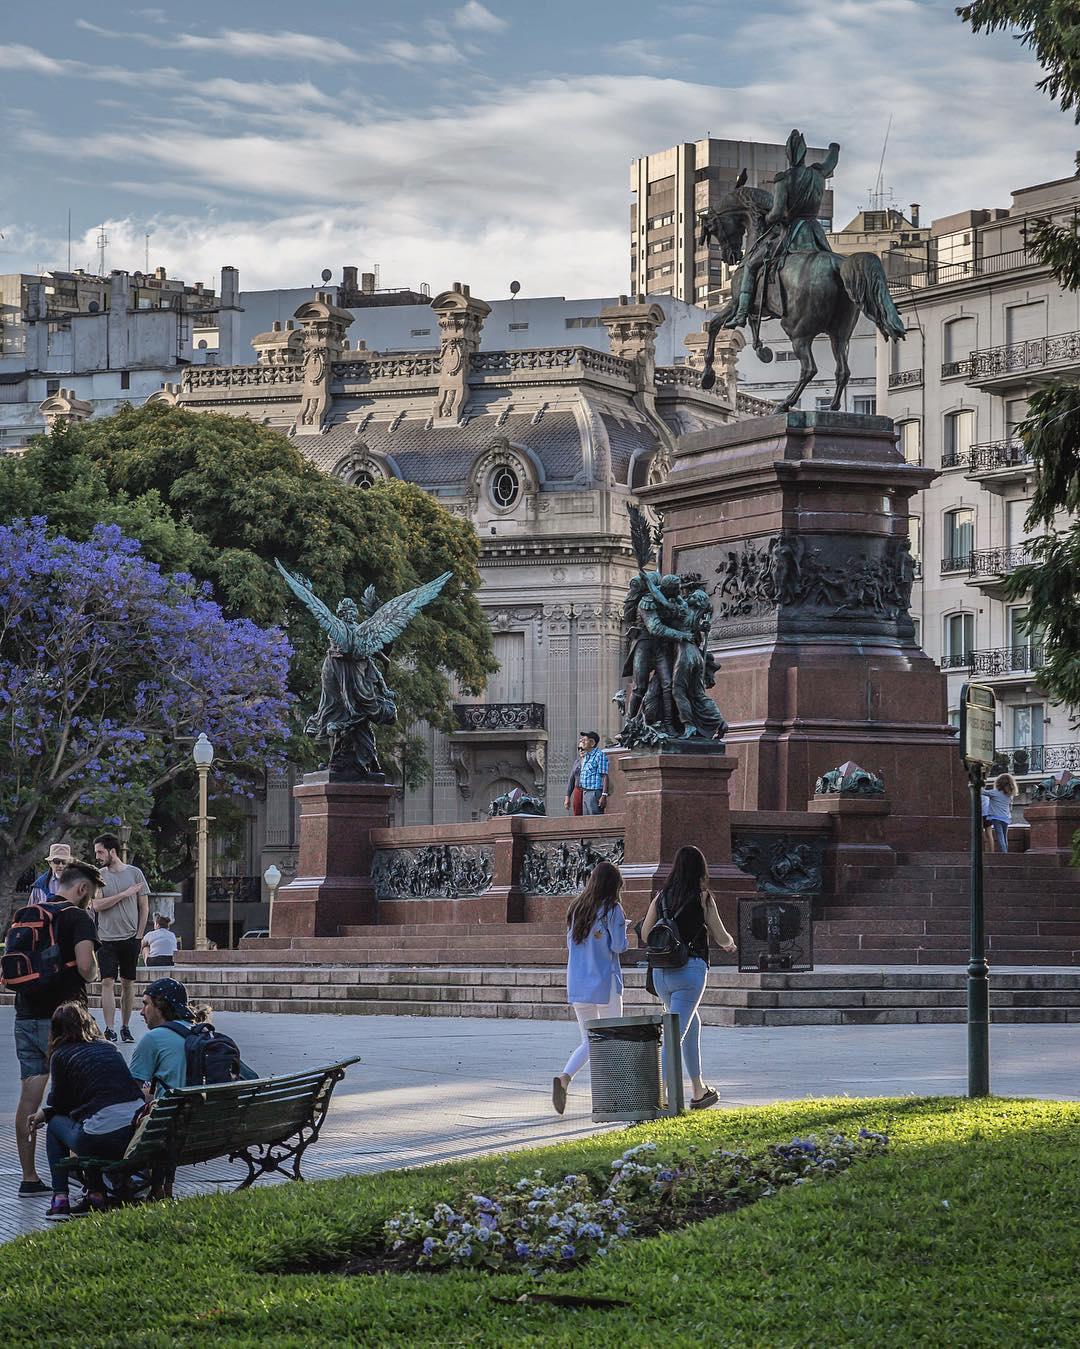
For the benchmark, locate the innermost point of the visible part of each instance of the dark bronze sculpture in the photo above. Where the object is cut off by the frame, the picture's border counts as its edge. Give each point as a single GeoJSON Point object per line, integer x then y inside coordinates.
{"type": "Point", "coordinates": [516, 802]}
{"type": "Point", "coordinates": [354, 697]}
{"type": "Point", "coordinates": [668, 619]}
{"type": "Point", "coordinates": [786, 270]}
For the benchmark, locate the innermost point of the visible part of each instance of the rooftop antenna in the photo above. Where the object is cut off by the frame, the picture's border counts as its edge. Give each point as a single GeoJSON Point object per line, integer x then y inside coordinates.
{"type": "Point", "coordinates": [878, 194]}
{"type": "Point", "coordinates": [69, 239]}
{"type": "Point", "coordinates": [146, 267]}
{"type": "Point", "coordinates": [102, 245]}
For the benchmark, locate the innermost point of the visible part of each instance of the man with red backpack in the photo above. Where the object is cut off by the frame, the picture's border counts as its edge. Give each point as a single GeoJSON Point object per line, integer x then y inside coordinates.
{"type": "Point", "coordinates": [49, 958]}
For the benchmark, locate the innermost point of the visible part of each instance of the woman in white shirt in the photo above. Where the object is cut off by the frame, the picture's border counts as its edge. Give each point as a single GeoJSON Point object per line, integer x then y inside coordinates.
{"type": "Point", "coordinates": [159, 945]}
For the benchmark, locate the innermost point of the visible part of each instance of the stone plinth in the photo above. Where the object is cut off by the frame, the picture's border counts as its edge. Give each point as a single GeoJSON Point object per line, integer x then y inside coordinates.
{"type": "Point", "coordinates": [1053, 824]}
{"type": "Point", "coordinates": [333, 883]}
{"type": "Point", "coordinates": [669, 801]}
{"type": "Point", "coordinates": [858, 834]}
{"type": "Point", "coordinates": [798, 526]}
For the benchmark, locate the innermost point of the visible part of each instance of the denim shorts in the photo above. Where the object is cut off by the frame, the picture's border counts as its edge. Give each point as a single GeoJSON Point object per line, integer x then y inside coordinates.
{"type": "Point", "coordinates": [31, 1042]}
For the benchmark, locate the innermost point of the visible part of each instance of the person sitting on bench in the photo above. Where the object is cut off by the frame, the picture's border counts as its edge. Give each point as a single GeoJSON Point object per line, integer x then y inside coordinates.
{"type": "Point", "coordinates": [91, 1108]}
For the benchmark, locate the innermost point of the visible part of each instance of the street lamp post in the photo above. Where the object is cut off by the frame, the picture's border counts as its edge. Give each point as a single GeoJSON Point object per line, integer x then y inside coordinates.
{"type": "Point", "coordinates": [203, 754]}
{"type": "Point", "coordinates": [272, 877]}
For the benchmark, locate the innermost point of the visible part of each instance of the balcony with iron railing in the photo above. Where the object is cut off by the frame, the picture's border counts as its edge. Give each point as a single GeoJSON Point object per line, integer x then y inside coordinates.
{"type": "Point", "coordinates": [499, 716]}
{"type": "Point", "coordinates": [905, 379]}
{"type": "Point", "coordinates": [957, 273]}
{"type": "Point", "coordinates": [996, 464]}
{"type": "Point", "coordinates": [1021, 760]}
{"type": "Point", "coordinates": [957, 562]}
{"type": "Point", "coordinates": [991, 562]}
{"type": "Point", "coordinates": [1017, 362]}
{"type": "Point", "coordinates": [960, 660]}
{"type": "Point", "coordinates": [1006, 662]}
{"type": "Point", "coordinates": [954, 369]}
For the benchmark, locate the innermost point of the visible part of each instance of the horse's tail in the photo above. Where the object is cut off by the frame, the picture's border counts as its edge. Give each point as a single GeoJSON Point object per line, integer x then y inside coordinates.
{"type": "Point", "coordinates": [865, 282]}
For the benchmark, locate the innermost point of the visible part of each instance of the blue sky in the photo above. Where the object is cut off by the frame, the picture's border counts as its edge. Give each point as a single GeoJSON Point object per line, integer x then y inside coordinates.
{"type": "Point", "coordinates": [481, 142]}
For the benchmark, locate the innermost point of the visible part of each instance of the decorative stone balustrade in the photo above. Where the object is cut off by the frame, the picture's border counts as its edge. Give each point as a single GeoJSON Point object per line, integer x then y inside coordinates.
{"type": "Point", "coordinates": [241, 376]}
{"type": "Point", "coordinates": [375, 369]}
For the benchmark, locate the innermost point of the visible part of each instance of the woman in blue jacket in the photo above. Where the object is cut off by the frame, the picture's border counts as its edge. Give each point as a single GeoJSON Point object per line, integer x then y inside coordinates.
{"type": "Point", "coordinates": [595, 937]}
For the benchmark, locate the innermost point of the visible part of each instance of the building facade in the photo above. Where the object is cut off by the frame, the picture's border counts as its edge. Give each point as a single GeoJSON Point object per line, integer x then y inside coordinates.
{"type": "Point", "coordinates": [672, 189]}
{"type": "Point", "coordinates": [986, 325]}
{"type": "Point", "coordinates": [77, 345]}
{"type": "Point", "coordinates": [541, 449]}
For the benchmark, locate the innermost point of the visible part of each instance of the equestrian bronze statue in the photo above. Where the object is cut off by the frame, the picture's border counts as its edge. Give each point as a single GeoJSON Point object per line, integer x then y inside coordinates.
{"type": "Point", "coordinates": [785, 269]}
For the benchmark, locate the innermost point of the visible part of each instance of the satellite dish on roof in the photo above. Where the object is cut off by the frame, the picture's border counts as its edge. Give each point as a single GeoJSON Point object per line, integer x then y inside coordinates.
{"type": "Point", "coordinates": [326, 273]}
{"type": "Point", "coordinates": [515, 286]}
{"type": "Point", "coordinates": [92, 307]}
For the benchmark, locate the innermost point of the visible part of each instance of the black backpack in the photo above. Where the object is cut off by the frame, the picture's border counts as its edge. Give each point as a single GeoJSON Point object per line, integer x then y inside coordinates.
{"type": "Point", "coordinates": [32, 961]}
{"type": "Point", "coordinates": [209, 1058]}
{"type": "Point", "coordinates": [666, 946]}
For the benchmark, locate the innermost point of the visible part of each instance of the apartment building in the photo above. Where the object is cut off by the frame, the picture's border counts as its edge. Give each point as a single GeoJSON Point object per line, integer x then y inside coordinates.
{"type": "Point", "coordinates": [672, 189]}
{"type": "Point", "coordinates": [986, 326]}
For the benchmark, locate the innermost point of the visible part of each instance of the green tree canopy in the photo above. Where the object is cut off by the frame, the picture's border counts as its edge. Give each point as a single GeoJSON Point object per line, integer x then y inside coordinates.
{"type": "Point", "coordinates": [221, 496]}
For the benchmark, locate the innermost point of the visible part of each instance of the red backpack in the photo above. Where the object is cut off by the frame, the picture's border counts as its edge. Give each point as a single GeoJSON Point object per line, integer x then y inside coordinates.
{"type": "Point", "coordinates": [32, 961]}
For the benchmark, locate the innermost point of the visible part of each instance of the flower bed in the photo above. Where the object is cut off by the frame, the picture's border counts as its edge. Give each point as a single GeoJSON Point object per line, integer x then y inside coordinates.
{"type": "Point", "coordinates": [533, 1226]}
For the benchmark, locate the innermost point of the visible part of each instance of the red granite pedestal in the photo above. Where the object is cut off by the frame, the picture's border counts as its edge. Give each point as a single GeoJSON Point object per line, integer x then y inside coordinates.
{"type": "Point", "coordinates": [797, 526]}
{"type": "Point", "coordinates": [1053, 824]}
{"type": "Point", "coordinates": [333, 883]}
{"type": "Point", "coordinates": [670, 800]}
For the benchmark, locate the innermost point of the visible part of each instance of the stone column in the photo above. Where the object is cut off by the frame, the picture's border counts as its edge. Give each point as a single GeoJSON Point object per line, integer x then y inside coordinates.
{"type": "Point", "coordinates": [324, 326]}
{"type": "Point", "coordinates": [631, 330]}
{"type": "Point", "coordinates": [461, 319]}
{"type": "Point", "coordinates": [1053, 824]}
{"type": "Point", "coordinates": [333, 884]}
{"type": "Point", "coordinates": [667, 801]}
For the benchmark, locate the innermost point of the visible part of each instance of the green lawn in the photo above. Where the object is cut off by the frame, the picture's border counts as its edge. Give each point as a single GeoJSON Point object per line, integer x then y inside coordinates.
{"type": "Point", "coordinates": [966, 1233]}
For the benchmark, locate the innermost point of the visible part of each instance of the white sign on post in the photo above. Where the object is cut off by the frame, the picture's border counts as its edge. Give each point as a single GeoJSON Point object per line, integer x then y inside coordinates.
{"type": "Point", "coordinates": [978, 714]}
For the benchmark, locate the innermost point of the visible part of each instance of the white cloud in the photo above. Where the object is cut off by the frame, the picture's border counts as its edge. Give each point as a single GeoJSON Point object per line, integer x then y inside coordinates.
{"type": "Point", "coordinates": [531, 179]}
{"type": "Point", "coordinates": [476, 16]}
{"type": "Point", "coordinates": [282, 46]}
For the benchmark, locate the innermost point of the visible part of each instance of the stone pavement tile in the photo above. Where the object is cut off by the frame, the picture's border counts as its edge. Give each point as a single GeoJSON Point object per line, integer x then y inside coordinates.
{"type": "Point", "coordinates": [434, 1089]}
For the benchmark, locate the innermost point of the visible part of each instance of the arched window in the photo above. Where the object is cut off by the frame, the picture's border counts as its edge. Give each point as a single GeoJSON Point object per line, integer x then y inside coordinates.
{"type": "Point", "coordinates": [504, 488]}
{"type": "Point", "coordinates": [909, 438]}
{"type": "Point", "coordinates": [959, 438]}
{"type": "Point", "coordinates": [959, 641]}
{"type": "Point", "coordinates": [363, 477]}
{"type": "Point", "coordinates": [958, 344]}
{"type": "Point", "coordinates": [959, 539]}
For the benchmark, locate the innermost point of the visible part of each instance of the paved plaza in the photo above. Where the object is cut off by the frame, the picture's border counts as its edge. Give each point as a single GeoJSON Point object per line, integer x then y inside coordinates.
{"type": "Point", "coordinates": [434, 1089]}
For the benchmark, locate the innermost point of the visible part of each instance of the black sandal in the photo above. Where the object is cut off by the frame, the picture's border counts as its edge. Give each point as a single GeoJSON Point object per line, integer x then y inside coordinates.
{"type": "Point", "coordinates": [710, 1097]}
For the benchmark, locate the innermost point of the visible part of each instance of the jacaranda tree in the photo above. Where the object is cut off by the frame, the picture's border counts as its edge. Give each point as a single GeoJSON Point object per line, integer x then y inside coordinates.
{"type": "Point", "coordinates": [108, 667]}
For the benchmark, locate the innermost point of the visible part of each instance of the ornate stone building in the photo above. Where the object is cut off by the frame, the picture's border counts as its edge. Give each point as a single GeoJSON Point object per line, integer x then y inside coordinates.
{"type": "Point", "coordinates": [541, 449]}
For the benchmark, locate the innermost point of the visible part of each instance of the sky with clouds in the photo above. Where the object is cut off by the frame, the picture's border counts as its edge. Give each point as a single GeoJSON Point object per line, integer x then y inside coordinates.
{"type": "Point", "coordinates": [477, 141]}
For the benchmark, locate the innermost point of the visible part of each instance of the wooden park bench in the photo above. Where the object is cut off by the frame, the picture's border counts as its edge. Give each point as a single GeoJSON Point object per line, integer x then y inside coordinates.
{"type": "Point", "coordinates": [266, 1122]}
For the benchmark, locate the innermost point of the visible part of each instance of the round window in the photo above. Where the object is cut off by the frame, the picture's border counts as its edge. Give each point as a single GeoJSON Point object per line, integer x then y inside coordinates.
{"type": "Point", "coordinates": [365, 478]}
{"type": "Point", "coordinates": [505, 488]}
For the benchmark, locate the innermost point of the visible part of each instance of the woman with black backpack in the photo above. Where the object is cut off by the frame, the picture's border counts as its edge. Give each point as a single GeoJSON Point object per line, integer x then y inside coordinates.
{"type": "Point", "coordinates": [676, 931]}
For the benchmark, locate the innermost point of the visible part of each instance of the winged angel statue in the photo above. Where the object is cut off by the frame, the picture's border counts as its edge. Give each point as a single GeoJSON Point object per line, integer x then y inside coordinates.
{"type": "Point", "coordinates": [354, 696]}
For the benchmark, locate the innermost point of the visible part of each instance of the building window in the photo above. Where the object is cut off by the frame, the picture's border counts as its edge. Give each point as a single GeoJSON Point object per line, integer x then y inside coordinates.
{"type": "Point", "coordinates": [909, 435]}
{"type": "Point", "coordinates": [823, 404]}
{"type": "Point", "coordinates": [959, 640]}
{"type": "Point", "coordinates": [959, 344]}
{"type": "Point", "coordinates": [917, 625]}
{"type": "Point", "coordinates": [51, 386]}
{"type": "Point", "coordinates": [959, 435]}
{"type": "Point", "coordinates": [420, 332]}
{"type": "Point", "coordinates": [518, 327]}
{"type": "Point", "coordinates": [865, 405]}
{"type": "Point", "coordinates": [503, 487]}
{"type": "Point", "coordinates": [125, 379]}
{"type": "Point", "coordinates": [363, 478]}
{"type": "Point", "coordinates": [959, 539]}
{"type": "Point", "coordinates": [584, 321]}
{"type": "Point", "coordinates": [1027, 726]}
{"type": "Point", "coordinates": [915, 536]}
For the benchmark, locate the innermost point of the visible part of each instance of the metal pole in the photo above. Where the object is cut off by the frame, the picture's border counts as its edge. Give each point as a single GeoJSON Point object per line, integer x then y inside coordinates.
{"type": "Point", "coordinates": [201, 861]}
{"type": "Point", "coordinates": [672, 1060]}
{"type": "Point", "coordinates": [232, 920]}
{"type": "Point", "coordinates": [978, 982]}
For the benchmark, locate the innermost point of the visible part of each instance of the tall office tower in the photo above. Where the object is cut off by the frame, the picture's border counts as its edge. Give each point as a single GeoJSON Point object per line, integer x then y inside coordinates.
{"type": "Point", "coordinates": [672, 189]}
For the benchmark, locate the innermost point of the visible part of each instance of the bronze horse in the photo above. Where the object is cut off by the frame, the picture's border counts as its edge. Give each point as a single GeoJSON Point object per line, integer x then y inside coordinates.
{"type": "Point", "coordinates": [815, 292]}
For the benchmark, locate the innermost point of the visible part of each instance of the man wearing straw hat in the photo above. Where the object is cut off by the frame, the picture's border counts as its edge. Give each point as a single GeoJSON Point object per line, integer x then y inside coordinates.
{"type": "Point", "coordinates": [47, 884]}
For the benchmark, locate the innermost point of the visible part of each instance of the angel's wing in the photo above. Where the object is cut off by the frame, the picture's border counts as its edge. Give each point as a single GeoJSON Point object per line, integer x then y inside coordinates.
{"type": "Point", "coordinates": [370, 601]}
{"type": "Point", "coordinates": [395, 615]}
{"type": "Point", "coordinates": [335, 627]}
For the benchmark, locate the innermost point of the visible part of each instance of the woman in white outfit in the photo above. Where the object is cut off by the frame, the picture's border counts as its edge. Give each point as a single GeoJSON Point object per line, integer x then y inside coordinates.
{"type": "Point", "coordinates": [595, 937]}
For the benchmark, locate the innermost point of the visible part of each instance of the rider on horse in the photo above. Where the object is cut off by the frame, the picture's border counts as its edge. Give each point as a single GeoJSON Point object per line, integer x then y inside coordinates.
{"type": "Point", "coordinates": [793, 224]}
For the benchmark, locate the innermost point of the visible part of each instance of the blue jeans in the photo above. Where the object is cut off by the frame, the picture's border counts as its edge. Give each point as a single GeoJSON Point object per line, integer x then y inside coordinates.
{"type": "Point", "coordinates": [680, 991]}
{"type": "Point", "coordinates": [1001, 834]}
{"type": "Point", "coordinates": [64, 1137]}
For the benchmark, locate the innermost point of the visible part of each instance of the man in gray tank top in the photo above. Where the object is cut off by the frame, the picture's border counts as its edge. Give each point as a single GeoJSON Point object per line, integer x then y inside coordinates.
{"type": "Point", "coordinates": [121, 912]}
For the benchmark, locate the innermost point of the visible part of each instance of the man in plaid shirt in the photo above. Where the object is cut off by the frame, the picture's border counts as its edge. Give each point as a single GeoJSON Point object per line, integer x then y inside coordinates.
{"type": "Point", "coordinates": [593, 775]}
